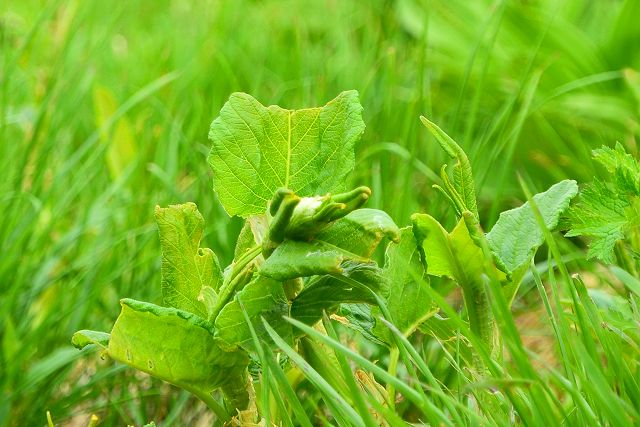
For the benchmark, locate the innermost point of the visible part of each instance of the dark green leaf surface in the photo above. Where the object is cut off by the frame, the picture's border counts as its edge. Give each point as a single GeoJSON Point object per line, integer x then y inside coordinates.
{"type": "Point", "coordinates": [262, 298]}
{"type": "Point", "coordinates": [325, 293]}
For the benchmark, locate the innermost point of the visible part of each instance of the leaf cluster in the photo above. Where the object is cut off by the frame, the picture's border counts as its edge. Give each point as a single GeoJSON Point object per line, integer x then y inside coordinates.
{"type": "Point", "coordinates": [608, 211]}
{"type": "Point", "coordinates": [307, 250]}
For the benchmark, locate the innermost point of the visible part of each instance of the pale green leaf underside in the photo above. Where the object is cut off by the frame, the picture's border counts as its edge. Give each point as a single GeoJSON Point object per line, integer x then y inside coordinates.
{"type": "Point", "coordinates": [173, 345]}
{"type": "Point", "coordinates": [258, 149]}
{"type": "Point", "coordinates": [361, 231]}
{"type": "Point", "coordinates": [516, 235]}
{"type": "Point", "coordinates": [186, 268]}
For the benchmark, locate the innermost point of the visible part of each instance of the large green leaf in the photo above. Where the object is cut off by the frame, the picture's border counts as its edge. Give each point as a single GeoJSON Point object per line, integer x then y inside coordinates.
{"type": "Point", "coordinates": [186, 268]}
{"type": "Point", "coordinates": [326, 293]}
{"type": "Point", "coordinates": [516, 236]}
{"type": "Point", "coordinates": [258, 149]}
{"type": "Point", "coordinates": [173, 345]}
{"type": "Point", "coordinates": [261, 298]}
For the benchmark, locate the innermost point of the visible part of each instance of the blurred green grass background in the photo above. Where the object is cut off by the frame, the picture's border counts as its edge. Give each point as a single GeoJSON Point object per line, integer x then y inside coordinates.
{"type": "Point", "coordinates": [105, 109]}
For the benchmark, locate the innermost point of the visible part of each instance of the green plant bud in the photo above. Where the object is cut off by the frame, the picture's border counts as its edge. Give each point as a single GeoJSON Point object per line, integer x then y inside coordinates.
{"type": "Point", "coordinates": [314, 214]}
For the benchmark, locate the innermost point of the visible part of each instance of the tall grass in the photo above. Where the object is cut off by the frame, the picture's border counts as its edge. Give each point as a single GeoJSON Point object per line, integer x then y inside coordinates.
{"type": "Point", "coordinates": [104, 112]}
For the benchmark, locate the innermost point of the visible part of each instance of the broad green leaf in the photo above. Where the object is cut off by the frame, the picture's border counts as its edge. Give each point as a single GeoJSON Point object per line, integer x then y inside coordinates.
{"type": "Point", "coordinates": [462, 173]}
{"type": "Point", "coordinates": [186, 268]}
{"type": "Point", "coordinates": [262, 298]}
{"type": "Point", "coordinates": [361, 231]}
{"type": "Point", "coordinates": [608, 211]}
{"type": "Point", "coordinates": [408, 301]}
{"type": "Point", "coordinates": [258, 149]}
{"type": "Point", "coordinates": [326, 293]}
{"type": "Point", "coordinates": [173, 345]}
{"type": "Point", "coordinates": [83, 338]}
{"type": "Point", "coordinates": [516, 236]}
{"type": "Point", "coordinates": [294, 259]}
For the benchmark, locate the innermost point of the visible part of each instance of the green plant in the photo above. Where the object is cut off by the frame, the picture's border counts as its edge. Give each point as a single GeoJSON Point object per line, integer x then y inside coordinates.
{"type": "Point", "coordinates": [199, 339]}
{"type": "Point", "coordinates": [301, 255]}
{"type": "Point", "coordinates": [468, 256]}
{"type": "Point", "coordinates": [607, 212]}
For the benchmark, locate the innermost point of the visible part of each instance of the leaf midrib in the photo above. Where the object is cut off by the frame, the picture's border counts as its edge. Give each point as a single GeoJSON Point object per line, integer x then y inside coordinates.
{"type": "Point", "coordinates": [286, 177]}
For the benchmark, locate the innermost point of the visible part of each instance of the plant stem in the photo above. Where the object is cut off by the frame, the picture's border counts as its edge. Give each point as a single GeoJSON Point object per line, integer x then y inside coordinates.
{"type": "Point", "coordinates": [211, 403]}
{"type": "Point", "coordinates": [228, 287]}
{"type": "Point", "coordinates": [394, 354]}
{"type": "Point", "coordinates": [481, 322]}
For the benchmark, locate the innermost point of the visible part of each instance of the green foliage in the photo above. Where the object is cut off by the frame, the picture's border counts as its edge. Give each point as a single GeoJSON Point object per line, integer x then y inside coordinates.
{"type": "Point", "coordinates": [608, 212]}
{"type": "Point", "coordinates": [472, 258]}
{"type": "Point", "coordinates": [203, 339]}
{"type": "Point", "coordinates": [462, 193]}
{"type": "Point", "coordinates": [408, 299]}
{"type": "Point", "coordinates": [104, 108]}
{"type": "Point", "coordinates": [517, 235]}
{"type": "Point", "coordinates": [262, 298]}
{"type": "Point", "coordinates": [258, 149]}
